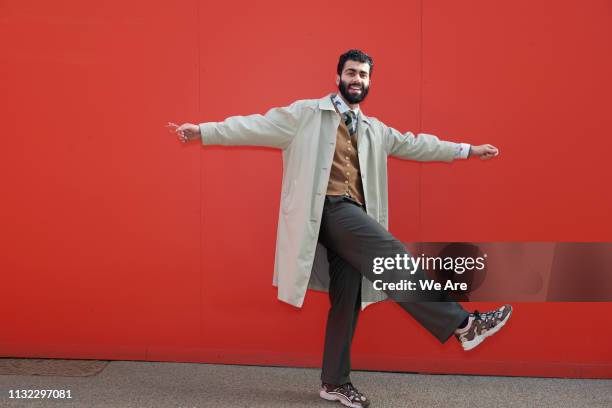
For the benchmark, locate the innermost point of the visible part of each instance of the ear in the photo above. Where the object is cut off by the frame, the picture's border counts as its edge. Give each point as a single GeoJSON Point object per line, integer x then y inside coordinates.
{"type": "Point", "coordinates": [337, 79]}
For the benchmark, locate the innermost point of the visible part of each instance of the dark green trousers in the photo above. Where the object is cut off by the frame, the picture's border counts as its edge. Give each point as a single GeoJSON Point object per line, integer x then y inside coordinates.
{"type": "Point", "coordinates": [349, 235]}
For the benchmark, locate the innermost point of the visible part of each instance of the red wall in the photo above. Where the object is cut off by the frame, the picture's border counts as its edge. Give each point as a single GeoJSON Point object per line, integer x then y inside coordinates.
{"type": "Point", "coordinates": [118, 242]}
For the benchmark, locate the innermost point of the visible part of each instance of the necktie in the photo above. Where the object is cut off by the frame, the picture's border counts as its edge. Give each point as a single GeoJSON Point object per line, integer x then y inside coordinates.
{"type": "Point", "coordinates": [351, 121]}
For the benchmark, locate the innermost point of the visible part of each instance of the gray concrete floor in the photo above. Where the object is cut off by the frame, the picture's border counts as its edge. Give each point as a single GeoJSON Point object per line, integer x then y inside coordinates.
{"type": "Point", "coordinates": [181, 385]}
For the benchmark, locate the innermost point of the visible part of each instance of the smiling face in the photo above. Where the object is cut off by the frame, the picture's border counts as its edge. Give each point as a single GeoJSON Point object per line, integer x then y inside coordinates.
{"type": "Point", "coordinates": [354, 83]}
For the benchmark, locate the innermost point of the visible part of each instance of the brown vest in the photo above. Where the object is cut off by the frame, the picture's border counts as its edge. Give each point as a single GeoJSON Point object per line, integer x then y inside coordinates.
{"type": "Point", "coordinates": [345, 176]}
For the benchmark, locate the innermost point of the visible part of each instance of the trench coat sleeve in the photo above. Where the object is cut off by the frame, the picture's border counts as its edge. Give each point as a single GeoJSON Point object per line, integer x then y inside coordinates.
{"type": "Point", "coordinates": [276, 128]}
{"type": "Point", "coordinates": [424, 147]}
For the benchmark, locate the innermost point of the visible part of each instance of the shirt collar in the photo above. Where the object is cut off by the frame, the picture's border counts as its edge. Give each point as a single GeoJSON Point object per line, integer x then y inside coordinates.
{"type": "Point", "coordinates": [326, 104]}
{"type": "Point", "coordinates": [342, 106]}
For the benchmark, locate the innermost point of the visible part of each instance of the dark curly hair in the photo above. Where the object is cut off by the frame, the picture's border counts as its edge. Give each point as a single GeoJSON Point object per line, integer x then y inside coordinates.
{"type": "Point", "coordinates": [355, 55]}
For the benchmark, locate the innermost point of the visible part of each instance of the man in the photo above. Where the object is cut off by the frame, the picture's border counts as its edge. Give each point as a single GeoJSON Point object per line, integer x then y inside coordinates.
{"type": "Point", "coordinates": [333, 213]}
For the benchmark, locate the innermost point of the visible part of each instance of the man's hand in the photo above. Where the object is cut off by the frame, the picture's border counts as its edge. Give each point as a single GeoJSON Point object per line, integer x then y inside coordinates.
{"type": "Point", "coordinates": [485, 151]}
{"type": "Point", "coordinates": [186, 132]}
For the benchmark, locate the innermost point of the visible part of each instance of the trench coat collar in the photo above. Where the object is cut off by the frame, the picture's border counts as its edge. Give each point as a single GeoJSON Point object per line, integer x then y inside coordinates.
{"type": "Point", "coordinates": [325, 103]}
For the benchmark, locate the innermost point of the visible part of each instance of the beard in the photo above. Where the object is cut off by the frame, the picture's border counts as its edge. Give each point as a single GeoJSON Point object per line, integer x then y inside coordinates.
{"type": "Point", "coordinates": [352, 98]}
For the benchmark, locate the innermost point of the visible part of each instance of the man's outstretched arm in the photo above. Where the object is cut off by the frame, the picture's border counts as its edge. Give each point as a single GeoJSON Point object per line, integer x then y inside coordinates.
{"type": "Point", "coordinates": [276, 128]}
{"type": "Point", "coordinates": [428, 147]}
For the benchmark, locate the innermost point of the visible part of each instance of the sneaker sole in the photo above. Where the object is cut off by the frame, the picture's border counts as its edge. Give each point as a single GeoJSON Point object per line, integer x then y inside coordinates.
{"type": "Point", "coordinates": [469, 345]}
{"type": "Point", "coordinates": [336, 396]}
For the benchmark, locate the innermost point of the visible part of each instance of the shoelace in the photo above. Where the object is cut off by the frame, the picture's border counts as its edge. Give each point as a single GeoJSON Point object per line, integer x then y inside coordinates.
{"type": "Point", "coordinates": [487, 319]}
{"type": "Point", "coordinates": [352, 391]}
{"type": "Point", "coordinates": [487, 315]}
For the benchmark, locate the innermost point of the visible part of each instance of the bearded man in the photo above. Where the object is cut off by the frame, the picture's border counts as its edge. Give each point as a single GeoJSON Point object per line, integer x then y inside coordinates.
{"type": "Point", "coordinates": [334, 213]}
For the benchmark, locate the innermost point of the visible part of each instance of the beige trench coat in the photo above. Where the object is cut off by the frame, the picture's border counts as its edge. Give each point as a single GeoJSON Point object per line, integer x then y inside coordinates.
{"type": "Point", "coordinates": [306, 133]}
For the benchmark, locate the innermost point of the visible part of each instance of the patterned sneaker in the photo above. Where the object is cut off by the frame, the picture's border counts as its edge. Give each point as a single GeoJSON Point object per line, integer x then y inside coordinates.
{"type": "Point", "coordinates": [345, 393]}
{"type": "Point", "coordinates": [482, 325]}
